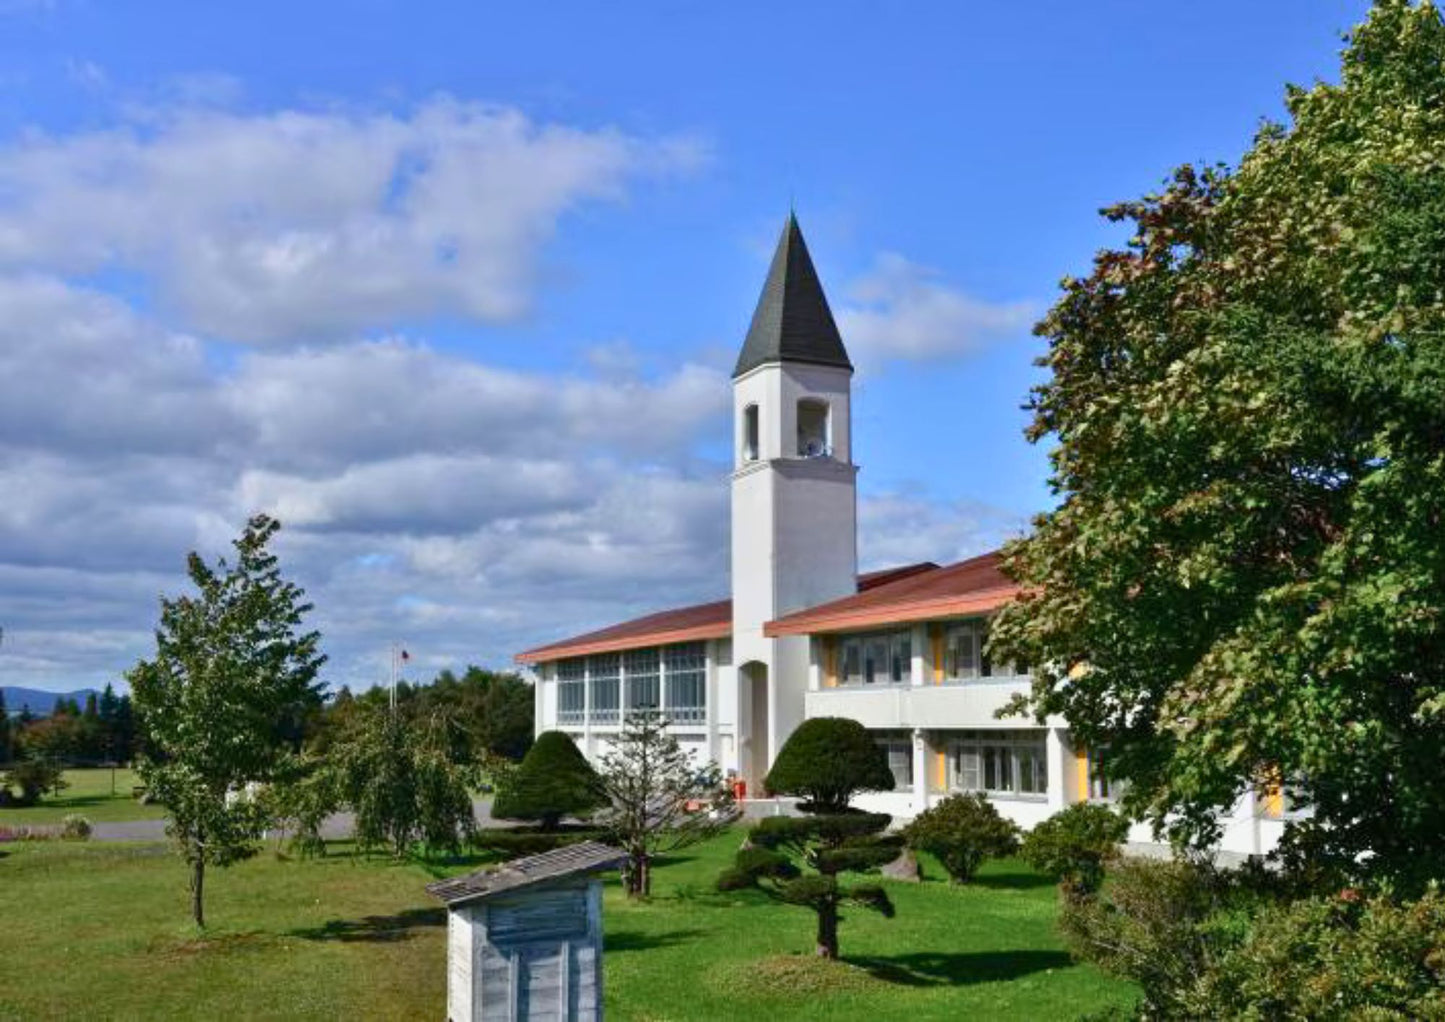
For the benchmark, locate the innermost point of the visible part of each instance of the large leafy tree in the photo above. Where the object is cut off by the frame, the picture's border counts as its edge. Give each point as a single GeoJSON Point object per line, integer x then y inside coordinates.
{"type": "Point", "coordinates": [232, 673]}
{"type": "Point", "coordinates": [660, 799]}
{"type": "Point", "coordinates": [1244, 580]}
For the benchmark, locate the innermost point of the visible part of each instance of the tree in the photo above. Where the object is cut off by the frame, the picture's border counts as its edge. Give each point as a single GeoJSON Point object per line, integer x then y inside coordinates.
{"type": "Point", "coordinates": [553, 780]}
{"type": "Point", "coordinates": [399, 775]}
{"type": "Point", "coordinates": [230, 670]}
{"type": "Point", "coordinates": [660, 799]}
{"type": "Point", "coordinates": [1243, 583]}
{"type": "Point", "coordinates": [5, 730]}
{"type": "Point", "coordinates": [1074, 845]}
{"type": "Point", "coordinates": [962, 831]}
{"type": "Point", "coordinates": [832, 839]}
{"type": "Point", "coordinates": [826, 761]}
{"type": "Point", "coordinates": [33, 776]}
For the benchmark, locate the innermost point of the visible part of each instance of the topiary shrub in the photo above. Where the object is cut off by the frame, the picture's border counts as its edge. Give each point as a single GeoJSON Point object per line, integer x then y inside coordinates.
{"type": "Point", "coordinates": [1074, 844]}
{"type": "Point", "coordinates": [826, 761]}
{"type": "Point", "coordinates": [961, 832]}
{"type": "Point", "coordinates": [75, 827]}
{"type": "Point", "coordinates": [553, 780]}
{"type": "Point", "coordinates": [518, 841]}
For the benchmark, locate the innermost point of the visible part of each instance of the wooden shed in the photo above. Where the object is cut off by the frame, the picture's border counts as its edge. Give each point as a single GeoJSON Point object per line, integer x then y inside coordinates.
{"type": "Point", "coordinates": [524, 939]}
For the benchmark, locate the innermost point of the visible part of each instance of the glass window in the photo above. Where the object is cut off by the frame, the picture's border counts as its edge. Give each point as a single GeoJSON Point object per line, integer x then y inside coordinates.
{"type": "Point", "coordinates": [1008, 763]}
{"type": "Point", "coordinates": [750, 433]}
{"type": "Point", "coordinates": [1101, 789]}
{"type": "Point", "coordinates": [898, 747]}
{"type": "Point", "coordinates": [644, 679]}
{"type": "Point", "coordinates": [571, 690]}
{"type": "Point", "coordinates": [684, 666]}
{"type": "Point", "coordinates": [813, 439]}
{"type": "Point", "coordinates": [604, 675]}
{"type": "Point", "coordinates": [881, 658]}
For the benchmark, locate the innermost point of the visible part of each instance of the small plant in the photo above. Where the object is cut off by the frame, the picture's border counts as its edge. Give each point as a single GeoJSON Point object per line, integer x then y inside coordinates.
{"type": "Point", "coordinates": [75, 827]}
{"type": "Point", "coordinates": [1074, 845]}
{"type": "Point", "coordinates": [961, 832]}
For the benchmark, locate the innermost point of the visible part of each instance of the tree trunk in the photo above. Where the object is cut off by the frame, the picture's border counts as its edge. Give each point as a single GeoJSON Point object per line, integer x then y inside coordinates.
{"type": "Point", "coordinates": [639, 874]}
{"type": "Point", "coordinates": [645, 867]}
{"type": "Point", "coordinates": [198, 889]}
{"type": "Point", "coordinates": [828, 930]}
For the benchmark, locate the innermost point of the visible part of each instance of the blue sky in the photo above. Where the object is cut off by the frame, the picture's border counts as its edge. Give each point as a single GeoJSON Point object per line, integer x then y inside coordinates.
{"type": "Point", "coordinates": [621, 172]}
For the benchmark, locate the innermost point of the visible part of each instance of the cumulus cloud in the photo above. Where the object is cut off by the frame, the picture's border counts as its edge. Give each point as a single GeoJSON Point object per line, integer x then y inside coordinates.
{"type": "Point", "coordinates": [901, 310]}
{"type": "Point", "coordinates": [313, 224]}
{"type": "Point", "coordinates": [899, 528]}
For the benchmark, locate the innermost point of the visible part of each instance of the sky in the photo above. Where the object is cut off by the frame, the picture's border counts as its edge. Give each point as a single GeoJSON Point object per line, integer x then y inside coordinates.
{"type": "Point", "coordinates": [454, 290]}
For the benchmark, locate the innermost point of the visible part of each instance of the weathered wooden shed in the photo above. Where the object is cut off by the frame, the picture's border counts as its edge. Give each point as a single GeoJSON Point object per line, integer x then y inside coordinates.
{"type": "Point", "coordinates": [524, 939]}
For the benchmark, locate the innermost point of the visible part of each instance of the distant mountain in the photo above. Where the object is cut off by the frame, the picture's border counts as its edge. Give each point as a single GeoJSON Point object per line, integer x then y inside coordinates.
{"type": "Point", "coordinates": [40, 701]}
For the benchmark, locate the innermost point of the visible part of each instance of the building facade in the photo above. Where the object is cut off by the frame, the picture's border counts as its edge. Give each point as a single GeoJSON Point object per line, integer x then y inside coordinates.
{"type": "Point", "coordinates": [803, 634]}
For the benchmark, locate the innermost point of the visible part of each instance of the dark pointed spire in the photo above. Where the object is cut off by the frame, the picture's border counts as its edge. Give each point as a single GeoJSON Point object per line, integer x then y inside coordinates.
{"type": "Point", "coordinates": [792, 322]}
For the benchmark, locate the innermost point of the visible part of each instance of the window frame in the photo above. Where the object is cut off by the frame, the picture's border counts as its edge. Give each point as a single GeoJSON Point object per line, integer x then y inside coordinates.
{"type": "Point", "coordinates": [1002, 753]}
{"type": "Point", "coordinates": [889, 653]}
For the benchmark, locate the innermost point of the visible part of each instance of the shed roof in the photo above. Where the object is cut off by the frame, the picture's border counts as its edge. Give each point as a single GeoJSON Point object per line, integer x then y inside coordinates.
{"type": "Point", "coordinates": [531, 870]}
{"type": "Point", "coordinates": [974, 586]}
{"type": "Point", "coordinates": [683, 624]}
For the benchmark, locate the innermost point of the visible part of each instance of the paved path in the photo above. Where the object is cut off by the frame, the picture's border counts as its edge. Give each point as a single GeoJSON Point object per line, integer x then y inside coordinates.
{"type": "Point", "coordinates": [337, 827]}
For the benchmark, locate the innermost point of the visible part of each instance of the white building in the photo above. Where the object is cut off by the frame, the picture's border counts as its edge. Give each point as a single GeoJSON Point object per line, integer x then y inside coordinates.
{"type": "Point", "coordinates": [804, 635]}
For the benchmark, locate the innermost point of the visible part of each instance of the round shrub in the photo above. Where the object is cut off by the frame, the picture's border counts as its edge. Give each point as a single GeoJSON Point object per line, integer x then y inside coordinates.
{"type": "Point", "coordinates": [826, 761]}
{"type": "Point", "coordinates": [75, 827]}
{"type": "Point", "coordinates": [1074, 844]}
{"type": "Point", "coordinates": [961, 832]}
{"type": "Point", "coordinates": [553, 780]}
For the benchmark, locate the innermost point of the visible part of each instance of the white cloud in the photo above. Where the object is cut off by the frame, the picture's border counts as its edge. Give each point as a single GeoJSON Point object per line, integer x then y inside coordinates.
{"type": "Point", "coordinates": [897, 528]}
{"type": "Point", "coordinates": [900, 310]}
{"type": "Point", "coordinates": [298, 225]}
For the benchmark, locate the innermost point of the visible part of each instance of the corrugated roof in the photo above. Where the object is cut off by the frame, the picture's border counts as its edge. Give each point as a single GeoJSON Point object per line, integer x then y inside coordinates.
{"type": "Point", "coordinates": [684, 624]}
{"type": "Point", "coordinates": [792, 322]}
{"type": "Point", "coordinates": [571, 860]}
{"type": "Point", "coordinates": [974, 586]}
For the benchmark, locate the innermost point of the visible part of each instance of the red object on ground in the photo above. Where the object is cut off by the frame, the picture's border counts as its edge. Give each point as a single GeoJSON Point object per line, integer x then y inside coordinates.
{"type": "Point", "coordinates": [740, 790]}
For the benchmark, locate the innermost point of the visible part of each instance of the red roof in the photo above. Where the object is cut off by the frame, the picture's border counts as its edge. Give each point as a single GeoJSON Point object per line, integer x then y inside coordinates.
{"type": "Point", "coordinates": [975, 586]}
{"type": "Point", "coordinates": [687, 624]}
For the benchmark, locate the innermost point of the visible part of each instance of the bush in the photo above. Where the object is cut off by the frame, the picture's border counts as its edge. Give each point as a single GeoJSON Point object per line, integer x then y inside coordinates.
{"type": "Point", "coordinates": [826, 761]}
{"type": "Point", "coordinates": [1208, 943]}
{"type": "Point", "coordinates": [1074, 844]}
{"type": "Point", "coordinates": [961, 832]}
{"type": "Point", "coordinates": [75, 827]}
{"type": "Point", "coordinates": [553, 780]}
{"type": "Point", "coordinates": [33, 778]}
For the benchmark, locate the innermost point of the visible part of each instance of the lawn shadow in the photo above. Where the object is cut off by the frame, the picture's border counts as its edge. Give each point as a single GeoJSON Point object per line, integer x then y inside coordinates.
{"type": "Point", "coordinates": [926, 968]}
{"type": "Point", "coordinates": [376, 929]}
{"type": "Point", "coordinates": [648, 941]}
{"type": "Point", "coordinates": [1022, 880]}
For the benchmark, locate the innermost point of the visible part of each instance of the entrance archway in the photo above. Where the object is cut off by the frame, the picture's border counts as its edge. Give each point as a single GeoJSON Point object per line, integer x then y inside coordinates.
{"type": "Point", "coordinates": [754, 675]}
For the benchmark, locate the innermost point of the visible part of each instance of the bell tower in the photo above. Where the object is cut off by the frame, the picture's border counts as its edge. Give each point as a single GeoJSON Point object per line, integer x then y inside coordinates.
{"type": "Point", "coordinates": [794, 492]}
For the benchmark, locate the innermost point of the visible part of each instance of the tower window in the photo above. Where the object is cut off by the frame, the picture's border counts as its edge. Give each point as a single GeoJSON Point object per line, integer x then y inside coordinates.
{"type": "Point", "coordinates": [813, 429]}
{"type": "Point", "coordinates": [750, 433]}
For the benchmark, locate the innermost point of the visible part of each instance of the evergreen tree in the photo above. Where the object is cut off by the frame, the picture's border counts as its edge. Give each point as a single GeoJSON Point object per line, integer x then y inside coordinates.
{"type": "Point", "coordinates": [553, 780]}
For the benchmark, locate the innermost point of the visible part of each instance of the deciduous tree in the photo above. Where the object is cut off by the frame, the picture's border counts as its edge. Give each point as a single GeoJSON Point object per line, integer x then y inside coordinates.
{"type": "Point", "coordinates": [231, 670]}
{"type": "Point", "coordinates": [1244, 580]}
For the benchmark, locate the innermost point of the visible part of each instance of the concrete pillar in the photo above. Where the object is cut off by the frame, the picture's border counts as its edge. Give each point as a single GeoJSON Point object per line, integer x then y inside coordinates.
{"type": "Point", "coordinates": [1058, 752]}
{"type": "Point", "coordinates": [920, 668]}
{"type": "Point", "coordinates": [921, 768]}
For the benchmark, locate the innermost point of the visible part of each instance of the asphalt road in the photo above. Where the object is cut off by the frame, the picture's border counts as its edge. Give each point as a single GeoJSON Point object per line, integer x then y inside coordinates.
{"type": "Point", "coordinates": [337, 827]}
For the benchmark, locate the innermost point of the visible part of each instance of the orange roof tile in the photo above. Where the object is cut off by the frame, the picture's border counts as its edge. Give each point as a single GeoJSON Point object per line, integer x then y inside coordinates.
{"type": "Point", "coordinates": [685, 624]}
{"type": "Point", "coordinates": [974, 586]}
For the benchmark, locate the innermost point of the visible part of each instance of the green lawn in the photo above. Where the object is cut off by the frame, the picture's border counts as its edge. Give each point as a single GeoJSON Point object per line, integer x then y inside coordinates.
{"type": "Point", "coordinates": [353, 938]}
{"type": "Point", "coordinates": [89, 795]}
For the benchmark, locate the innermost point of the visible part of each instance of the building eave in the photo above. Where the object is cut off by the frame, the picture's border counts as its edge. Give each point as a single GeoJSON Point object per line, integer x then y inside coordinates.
{"type": "Point", "coordinates": [907, 612]}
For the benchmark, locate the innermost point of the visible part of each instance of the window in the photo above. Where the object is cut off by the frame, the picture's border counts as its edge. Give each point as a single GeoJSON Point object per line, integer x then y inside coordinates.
{"type": "Point", "coordinates": [1006, 763]}
{"type": "Point", "coordinates": [604, 674]}
{"type": "Point", "coordinates": [898, 747]}
{"type": "Point", "coordinates": [684, 667]}
{"type": "Point", "coordinates": [571, 690]}
{"type": "Point", "coordinates": [964, 657]}
{"type": "Point", "coordinates": [644, 680]}
{"type": "Point", "coordinates": [750, 433]}
{"type": "Point", "coordinates": [813, 438]}
{"type": "Point", "coordinates": [1101, 789]}
{"type": "Point", "coordinates": [880, 658]}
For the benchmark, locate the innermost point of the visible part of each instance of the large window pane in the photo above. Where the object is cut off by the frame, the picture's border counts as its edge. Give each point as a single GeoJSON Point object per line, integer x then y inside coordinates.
{"type": "Point", "coordinates": [604, 674]}
{"type": "Point", "coordinates": [685, 669]}
{"type": "Point", "coordinates": [644, 682]}
{"type": "Point", "coordinates": [571, 691]}
{"type": "Point", "coordinates": [899, 750]}
{"type": "Point", "coordinates": [1001, 763]}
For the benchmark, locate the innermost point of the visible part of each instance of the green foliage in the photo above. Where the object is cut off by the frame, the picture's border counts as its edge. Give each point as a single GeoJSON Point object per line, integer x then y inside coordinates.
{"type": "Point", "coordinates": [75, 827]}
{"type": "Point", "coordinates": [1245, 574]}
{"type": "Point", "coordinates": [553, 780]}
{"type": "Point", "coordinates": [961, 832]}
{"type": "Point", "coordinates": [1208, 943]}
{"type": "Point", "coordinates": [659, 799]}
{"type": "Point", "coordinates": [401, 781]}
{"type": "Point", "coordinates": [1075, 843]}
{"type": "Point", "coordinates": [826, 761]}
{"type": "Point", "coordinates": [31, 778]}
{"type": "Point", "coordinates": [218, 702]}
{"type": "Point", "coordinates": [517, 841]}
{"type": "Point", "coordinates": [797, 860]}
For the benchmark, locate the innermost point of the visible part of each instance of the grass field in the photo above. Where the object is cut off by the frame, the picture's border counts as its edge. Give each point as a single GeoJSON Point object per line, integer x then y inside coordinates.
{"type": "Point", "coordinates": [89, 795]}
{"type": "Point", "coordinates": [101, 931]}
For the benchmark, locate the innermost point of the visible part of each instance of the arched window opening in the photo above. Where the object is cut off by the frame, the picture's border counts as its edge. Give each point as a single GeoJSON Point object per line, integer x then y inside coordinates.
{"type": "Point", "coordinates": [813, 429]}
{"type": "Point", "coordinates": [750, 433]}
